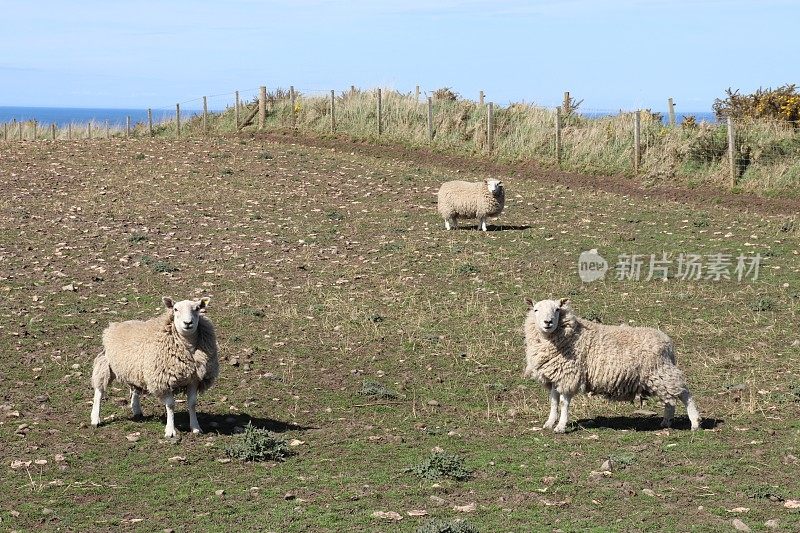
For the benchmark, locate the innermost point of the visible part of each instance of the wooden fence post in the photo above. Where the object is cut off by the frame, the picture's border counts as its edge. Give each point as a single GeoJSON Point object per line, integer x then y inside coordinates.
{"type": "Point", "coordinates": [671, 106]}
{"type": "Point", "coordinates": [53, 131]}
{"type": "Point", "coordinates": [416, 98]}
{"type": "Point", "coordinates": [5, 131]}
{"type": "Point", "coordinates": [178, 119]}
{"type": "Point", "coordinates": [481, 97]}
{"type": "Point", "coordinates": [637, 140]}
{"type": "Point", "coordinates": [35, 127]}
{"type": "Point", "coordinates": [430, 118]}
{"type": "Point", "coordinates": [128, 126]}
{"type": "Point", "coordinates": [108, 130]}
{"type": "Point", "coordinates": [236, 110]}
{"type": "Point", "coordinates": [69, 131]}
{"type": "Point", "coordinates": [567, 105]}
{"type": "Point", "coordinates": [352, 90]}
{"type": "Point", "coordinates": [558, 137]}
{"type": "Point", "coordinates": [262, 107]}
{"type": "Point", "coordinates": [732, 151]}
{"type": "Point", "coordinates": [490, 127]}
{"type": "Point", "coordinates": [150, 121]}
{"type": "Point", "coordinates": [20, 129]}
{"type": "Point", "coordinates": [205, 115]}
{"type": "Point", "coordinates": [380, 130]}
{"type": "Point", "coordinates": [89, 130]}
{"type": "Point", "coordinates": [333, 114]}
{"type": "Point", "coordinates": [292, 103]}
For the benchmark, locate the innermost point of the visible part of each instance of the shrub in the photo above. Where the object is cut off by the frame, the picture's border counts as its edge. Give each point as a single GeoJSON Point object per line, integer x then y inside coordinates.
{"type": "Point", "coordinates": [445, 93]}
{"type": "Point", "coordinates": [782, 103]}
{"type": "Point", "coordinates": [442, 464]}
{"type": "Point", "coordinates": [257, 444]}
{"type": "Point", "coordinates": [376, 389]}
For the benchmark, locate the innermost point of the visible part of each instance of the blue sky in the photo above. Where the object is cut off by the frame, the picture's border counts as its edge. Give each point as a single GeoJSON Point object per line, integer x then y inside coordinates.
{"type": "Point", "coordinates": [619, 54]}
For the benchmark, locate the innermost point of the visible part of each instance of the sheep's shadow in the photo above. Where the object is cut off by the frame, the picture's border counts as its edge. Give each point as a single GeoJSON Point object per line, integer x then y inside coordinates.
{"type": "Point", "coordinates": [229, 424]}
{"type": "Point", "coordinates": [224, 424]}
{"type": "Point", "coordinates": [644, 423]}
{"type": "Point", "coordinates": [495, 227]}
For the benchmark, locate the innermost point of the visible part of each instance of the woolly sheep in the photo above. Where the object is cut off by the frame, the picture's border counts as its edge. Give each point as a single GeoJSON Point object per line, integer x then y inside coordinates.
{"type": "Point", "coordinates": [464, 199]}
{"type": "Point", "coordinates": [569, 355]}
{"type": "Point", "coordinates": [174, 352]}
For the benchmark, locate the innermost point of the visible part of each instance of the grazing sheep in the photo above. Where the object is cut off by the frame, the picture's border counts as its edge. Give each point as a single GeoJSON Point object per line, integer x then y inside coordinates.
{"type": "Point", "coordinates": [569, 355]}
{"type": "Point", "coordinates": [174, 352]}
{"type": "Point", "coordinates": [464, 199]}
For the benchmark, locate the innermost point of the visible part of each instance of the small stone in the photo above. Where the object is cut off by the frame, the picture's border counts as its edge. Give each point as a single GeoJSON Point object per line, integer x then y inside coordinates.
{"type": "Point", "coordinates": [468, 508]}
{"type": "Point", "coordinates": [739, 525]}
{"type": "Point", "coordinates": [772, 524]}
{"type": "Point", "coordinates": [417, 512]}
{"type": "Point", "coordinates": [607, 466]}
{"type": "Point", "coordinates": [177, 459]}
{"type": "Point", "coordinates": [289, 496]}
{"type": "Point", "coordinates": [233, 361]}
{"type": "Point", "coordinates": [168, 530]}
{"type": "Point", "coordinates": [649, 492]}
{"type": "Point", "coordinates": [387, 515]}
{"type": "Point", "coordinates": [70, 288]}
{"type": "Point", "coordinates": [792, 504]}
{"type": "Point", "coordinates": [433, 403]}
{"type": "Point", "coordinates": [220, 492]}
{"type": "Point", "coordinates": [438, 500]}
{"type": "Point", "coordinates": [40, 462]}
{"type": "Point", "coordinates": [47, 510]}
{"type": "Point", "coordinates": [224, 460]}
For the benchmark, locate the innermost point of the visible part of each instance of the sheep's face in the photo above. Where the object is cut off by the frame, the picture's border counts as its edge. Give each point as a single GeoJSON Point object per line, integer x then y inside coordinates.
{"type": "Point", "coordinates": [186, 313]}
{"type": "Point", "coordinates": [547, 314]}
{"type": "Point", "coordinates": [494, 186]}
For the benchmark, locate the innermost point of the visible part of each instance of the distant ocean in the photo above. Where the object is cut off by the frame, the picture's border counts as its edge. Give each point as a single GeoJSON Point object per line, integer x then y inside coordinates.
{"type": "Point", "coordinates": [79, 115]}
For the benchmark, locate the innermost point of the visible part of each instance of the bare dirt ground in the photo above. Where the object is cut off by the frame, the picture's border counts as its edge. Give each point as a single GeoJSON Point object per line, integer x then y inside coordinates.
{"type": "Point", "coordinates": [696, 196]}
{"type": "Point", "coordinates": [328, 267]}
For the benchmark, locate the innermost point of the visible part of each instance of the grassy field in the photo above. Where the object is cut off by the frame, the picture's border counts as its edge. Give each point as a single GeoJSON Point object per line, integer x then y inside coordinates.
{"type": "Point", "coordinates": [327, 269]}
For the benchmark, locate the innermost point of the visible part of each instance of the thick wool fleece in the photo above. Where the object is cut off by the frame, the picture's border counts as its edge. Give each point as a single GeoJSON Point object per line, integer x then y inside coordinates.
{"type": "Point", "coordinates": [464, 199]}
{"type": "Point", "coordinates": [152, 356]}
{"type": "Point", "coordinates": [618, 362]}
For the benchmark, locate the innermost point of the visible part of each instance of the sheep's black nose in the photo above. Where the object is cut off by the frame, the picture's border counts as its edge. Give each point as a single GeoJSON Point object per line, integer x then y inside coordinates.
{"type": "Point", "coordinates": [187, 324]}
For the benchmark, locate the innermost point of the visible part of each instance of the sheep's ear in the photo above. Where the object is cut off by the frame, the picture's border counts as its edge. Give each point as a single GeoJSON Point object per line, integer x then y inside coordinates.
{"type": "Point", "coordinates": [529, 302]}
{"type": "Point", "coordinates": [167, 302]}
{"type": "Point", "coordinates": [204, 302]}
{"type": "Point", "coordinates": [563, 301]}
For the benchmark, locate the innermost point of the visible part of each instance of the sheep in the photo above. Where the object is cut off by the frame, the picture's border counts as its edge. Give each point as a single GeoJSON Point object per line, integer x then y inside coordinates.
{"type": "Point", "coordinates": [174, 352]}
{"type": "Point", "coordinates": [569, 355]}
{"type": "Point", "coordinates": [464, 199]}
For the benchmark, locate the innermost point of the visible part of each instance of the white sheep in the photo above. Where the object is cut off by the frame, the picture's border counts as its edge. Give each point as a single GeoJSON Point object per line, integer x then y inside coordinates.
{"type": "Point", "coordinates": [174, 352]}
{"type": "Point", "coordinates": [569, 355]}
{"type": "Point", "coordinates": [465, 200]}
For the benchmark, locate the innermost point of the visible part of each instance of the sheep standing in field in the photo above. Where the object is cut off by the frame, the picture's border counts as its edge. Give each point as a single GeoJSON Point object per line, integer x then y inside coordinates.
{"type": "Point", "coordinates": [569, 355]}
{"type": "Point", "coordinates": [464, 199]}
{"type": "Point", "coordinates": [174, 352]}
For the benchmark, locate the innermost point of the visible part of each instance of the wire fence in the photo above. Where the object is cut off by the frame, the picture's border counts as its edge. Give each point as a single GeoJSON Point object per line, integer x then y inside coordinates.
{"type": "Point", "coordinates": [568, 136]}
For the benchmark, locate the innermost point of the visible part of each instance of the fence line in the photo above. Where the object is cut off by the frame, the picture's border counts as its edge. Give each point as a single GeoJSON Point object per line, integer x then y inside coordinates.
{"type": "Point", "coordinates": [442, 110]}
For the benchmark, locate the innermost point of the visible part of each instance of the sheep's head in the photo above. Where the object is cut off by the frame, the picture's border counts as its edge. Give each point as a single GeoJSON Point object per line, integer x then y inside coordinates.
{"type": "Point", "coordinates": [186, 313]}
{"type": "Point", "coordinates": [494, 186]}
{"type": "Point", "coordinates": [547, 314]}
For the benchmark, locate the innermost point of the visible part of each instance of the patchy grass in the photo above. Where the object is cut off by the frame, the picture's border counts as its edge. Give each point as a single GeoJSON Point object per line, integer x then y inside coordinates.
{"type": "Point", "coordinates": [296, 296]}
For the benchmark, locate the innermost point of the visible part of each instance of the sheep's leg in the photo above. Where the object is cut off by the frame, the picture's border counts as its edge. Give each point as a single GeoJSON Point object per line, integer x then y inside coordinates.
{"type": "Point", "coordinates": [136, 404]}
{"type": "Point", "coordinates": [98, 394]}
{"type": "Point", "coordinates": [551, 420]}
{"type": "Point", "coordinates": [691, 409]}
{"type": "Point", "coordinates": [562, 420]}
{"type": "Point", "coordinates": [483, 224]}
{"type": "Point", "coordinates": [669, 413]}
{"type": "Point", "coordinates": [191, 402]}
{"type": "Point", "coordinates": [169, 403]}
{"type": "Point", "coordinates": [451, 223]}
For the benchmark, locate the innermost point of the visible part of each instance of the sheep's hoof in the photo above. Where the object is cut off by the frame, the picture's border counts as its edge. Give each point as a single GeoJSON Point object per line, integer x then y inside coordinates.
{"type": "Point", "coordinates": [170, 434]}
{"type": "Point", "coordinates": [549, 425]}
{"type": "Point", "coordinates": [197, 431]}
{"type": "Point", "coordinates": [95, 425]}
{"type": "Point", "coordinates": [559, 429]}
{"type": "Point", "coordinates": [666, 424]}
